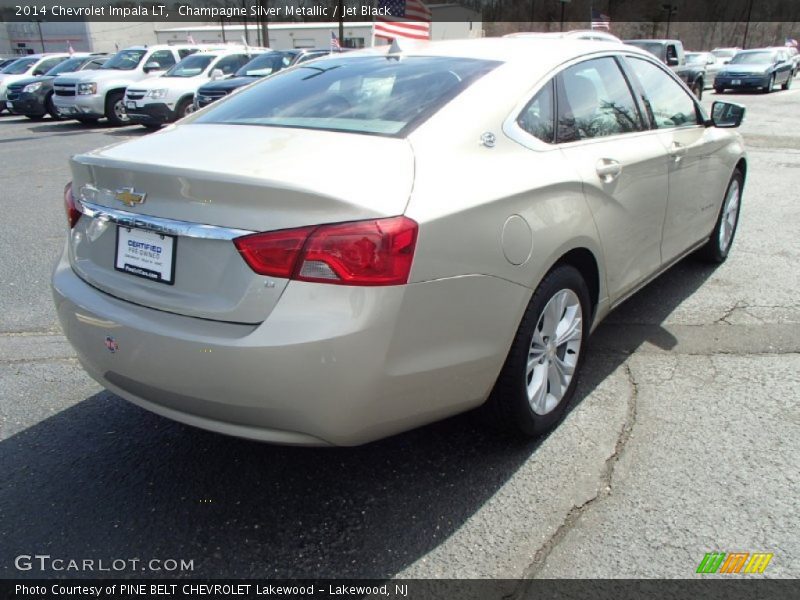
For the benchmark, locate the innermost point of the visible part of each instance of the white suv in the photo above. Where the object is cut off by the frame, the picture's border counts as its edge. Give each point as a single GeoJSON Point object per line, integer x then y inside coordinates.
{"type": "Point", "coordinates": [91, 95]}
{"type": "Point", "coordinates": [165, 99]}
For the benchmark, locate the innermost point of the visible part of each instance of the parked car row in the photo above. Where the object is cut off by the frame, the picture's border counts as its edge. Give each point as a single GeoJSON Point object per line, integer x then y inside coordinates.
{"type": "Point", "coordinates": [151, 86]}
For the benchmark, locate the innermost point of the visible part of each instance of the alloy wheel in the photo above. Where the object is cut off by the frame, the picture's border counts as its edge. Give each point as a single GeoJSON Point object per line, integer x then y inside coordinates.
{"type": "Point", "coordinates": [554, 351]}
{"type": "Point", "coordinates": [730, 215]}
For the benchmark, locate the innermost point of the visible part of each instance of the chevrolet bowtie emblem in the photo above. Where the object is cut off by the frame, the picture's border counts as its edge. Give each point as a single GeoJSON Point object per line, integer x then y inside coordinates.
{"type": "Point", "coordinates": [129, 197]}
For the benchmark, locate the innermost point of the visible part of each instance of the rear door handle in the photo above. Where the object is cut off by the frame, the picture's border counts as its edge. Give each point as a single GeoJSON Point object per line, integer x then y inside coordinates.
{"type": "Point", "coordinates": [608, 169]}
{"type": "Point", "coordinates": [677, 151]}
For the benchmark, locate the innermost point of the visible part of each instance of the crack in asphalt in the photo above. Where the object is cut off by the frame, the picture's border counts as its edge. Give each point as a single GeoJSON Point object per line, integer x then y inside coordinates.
{"type": "Point", "coordinates": [604, 489]}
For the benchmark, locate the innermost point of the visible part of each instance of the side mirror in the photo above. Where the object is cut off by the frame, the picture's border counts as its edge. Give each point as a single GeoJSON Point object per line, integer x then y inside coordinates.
{"type": "Point", "coordinates": [152, 66]}
{"type": "Point", "coordinates": [217, 74]}
{"type": "Point", "coordinates": [672, 61]}
{"type": "Point", "coordinates": [38, 72]}
{"type": "Point", "coordinates": [726, 114]}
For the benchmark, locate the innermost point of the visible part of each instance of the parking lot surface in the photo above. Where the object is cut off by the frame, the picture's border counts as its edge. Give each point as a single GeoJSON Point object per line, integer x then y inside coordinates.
{"type": "Point", "coordinates": [683, 438]}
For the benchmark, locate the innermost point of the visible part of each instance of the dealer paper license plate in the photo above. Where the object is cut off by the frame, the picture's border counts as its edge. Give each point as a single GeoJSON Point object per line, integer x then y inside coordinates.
{"type": "Point", "coordinates": [130, 104]}
{"type": "Point", "coordinates": [146, 254]}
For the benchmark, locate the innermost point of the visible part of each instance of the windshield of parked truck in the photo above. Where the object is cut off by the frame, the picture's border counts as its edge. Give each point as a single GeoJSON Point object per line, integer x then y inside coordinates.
{"type": "Point", "coordinates": [125, 60]}
{"type": "Point", "coordinates": [191, 66]}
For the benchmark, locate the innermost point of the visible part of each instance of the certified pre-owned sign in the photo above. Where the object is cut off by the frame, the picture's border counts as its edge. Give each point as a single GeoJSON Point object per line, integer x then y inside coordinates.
{"type": "Point", "coordinates": [46, 562]}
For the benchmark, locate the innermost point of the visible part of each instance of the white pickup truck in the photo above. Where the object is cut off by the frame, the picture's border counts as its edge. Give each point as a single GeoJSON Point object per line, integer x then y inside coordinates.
{"type": "Point", "coordinates": [91, 95]}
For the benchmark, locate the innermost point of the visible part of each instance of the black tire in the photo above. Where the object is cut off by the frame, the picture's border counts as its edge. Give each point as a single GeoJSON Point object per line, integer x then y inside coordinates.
{"type": "Point", "coordinates": [185, 107]}
{"type": "Point", "coordinates": [508, 407]}
{"type": "Point", "coordinates": [788, 82]}
{"type": "Point", "coordinates": [713, 251]}
{"type": "Point", "coordinates": [51, 108]}
{"type": "Point", "coordinates": [698, 89]}
{"type": "Point", "coordinates": [770, 85]}
{"type": "Point", "coordinates": [115, 109]}
{"type": "Point", "coordinates": [719, 90]}
{"type": "Point", "coordinates": [35, 117]}
{"type": "Point", "coordinates": [87, 120]}
{"type": "Point", "coordinates": [151, 126]}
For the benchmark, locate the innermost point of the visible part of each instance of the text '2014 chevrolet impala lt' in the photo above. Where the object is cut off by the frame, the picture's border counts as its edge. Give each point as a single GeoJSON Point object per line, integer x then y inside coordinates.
{"type": "Point", "coordinates": [372, 241]}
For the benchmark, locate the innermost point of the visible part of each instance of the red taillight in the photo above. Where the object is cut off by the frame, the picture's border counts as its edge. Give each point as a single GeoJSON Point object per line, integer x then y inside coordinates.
{"type": "Point", "coordinates": [378, 252]}
{"type": "Point", "coordinates": [274, 252]}
{"type": "Point", "coordinates": [70, 206]}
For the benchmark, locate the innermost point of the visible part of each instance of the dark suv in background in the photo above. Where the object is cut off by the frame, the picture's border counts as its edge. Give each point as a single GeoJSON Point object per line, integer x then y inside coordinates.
{"type": "Point", "coordinates": [33, 97]}
{"type": "Point", "coordinates": [671, 53]}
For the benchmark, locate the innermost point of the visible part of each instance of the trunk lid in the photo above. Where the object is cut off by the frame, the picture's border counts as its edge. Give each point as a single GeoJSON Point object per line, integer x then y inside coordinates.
{"type": "Point", "coordinates": [228, 180]}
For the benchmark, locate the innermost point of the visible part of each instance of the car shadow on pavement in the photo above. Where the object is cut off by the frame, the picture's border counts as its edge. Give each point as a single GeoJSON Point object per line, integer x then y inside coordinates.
{"type": "Point", "coordinates": [104, 479]}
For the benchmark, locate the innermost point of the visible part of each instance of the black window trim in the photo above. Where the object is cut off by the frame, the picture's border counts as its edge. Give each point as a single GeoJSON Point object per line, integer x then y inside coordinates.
{"type": "Point", "coordinates": [560, 89]}
{"type": "Point", "coordinates": [551, 84]}
{"type": "Point", "coordinates": [700, 114]}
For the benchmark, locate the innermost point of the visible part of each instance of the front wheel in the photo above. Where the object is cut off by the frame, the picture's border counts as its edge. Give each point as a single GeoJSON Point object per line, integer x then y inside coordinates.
{"type": "Point", "coordinates": [51, 108]}
{"type": "Point", "coordinates": [788, 82]}
{"type": "Point", "coordinates": [770, 85]}
{"type": "Point", "coordinates": [540, 374]}
{"type": "Point", "coordinates": [115, 109]}
{"type": "Point", "coordinates": [185, 108]}
{"type": "Point", "coordinates": [719, 244]}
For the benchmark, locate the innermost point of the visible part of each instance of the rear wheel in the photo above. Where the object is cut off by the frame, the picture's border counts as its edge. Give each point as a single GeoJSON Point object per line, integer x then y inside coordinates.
{"type": "Point", "coordinates": [115, 109]}
{"type": "Point", "coordinates": [719, 90]}
{"type": "Point", "coordinates": [540, 374]}
{"type": "Point", "coordinates": [719, 244]}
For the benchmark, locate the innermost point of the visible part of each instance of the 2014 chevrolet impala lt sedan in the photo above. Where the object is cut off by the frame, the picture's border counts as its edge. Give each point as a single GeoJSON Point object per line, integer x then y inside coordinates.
{"type": "Point", "coordinates": [376, 240]}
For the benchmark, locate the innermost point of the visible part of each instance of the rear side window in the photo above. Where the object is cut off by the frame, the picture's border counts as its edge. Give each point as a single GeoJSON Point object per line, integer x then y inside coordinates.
{"type": "Point", "coordinates": [370, 94]}
{"type": "Point", "coordinates": [538, 117]}
{"type": "Point", "coordinates": [230, 64]}
{"type": "Point", "coordinates": [594, 100]}
{"type": "Point", "coordinates": [667, 102]}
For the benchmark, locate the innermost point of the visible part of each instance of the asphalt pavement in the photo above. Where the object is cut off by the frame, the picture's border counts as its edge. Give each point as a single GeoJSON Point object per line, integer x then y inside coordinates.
{"type": "Point", "coordinates": [683, 438]}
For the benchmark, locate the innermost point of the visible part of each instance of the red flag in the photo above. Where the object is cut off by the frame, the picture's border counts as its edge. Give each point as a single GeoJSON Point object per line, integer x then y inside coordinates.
{"type": "Point", "coordinates": [405, 19]}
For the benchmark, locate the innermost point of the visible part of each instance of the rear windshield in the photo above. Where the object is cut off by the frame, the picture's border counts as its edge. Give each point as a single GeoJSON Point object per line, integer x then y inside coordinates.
{"type": "Point", "coordinates": [20, 66]}
{"type": "Point", "coordinates": [370, 94]}
{"type": "Point", "coordinates": [191, 66]}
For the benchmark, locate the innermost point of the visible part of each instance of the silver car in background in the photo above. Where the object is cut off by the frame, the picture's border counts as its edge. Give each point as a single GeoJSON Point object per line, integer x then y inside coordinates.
{"type": "Point", "coordinates": [389, 237]}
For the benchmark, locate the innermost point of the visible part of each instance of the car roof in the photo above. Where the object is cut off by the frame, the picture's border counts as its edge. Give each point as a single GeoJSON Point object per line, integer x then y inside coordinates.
{"type": "Point", "coordinates": [508, 50]}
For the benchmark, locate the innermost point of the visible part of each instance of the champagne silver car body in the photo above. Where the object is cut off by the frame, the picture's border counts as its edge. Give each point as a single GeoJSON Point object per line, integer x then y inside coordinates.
{"type": "Point", "coordinates": [310, 363]}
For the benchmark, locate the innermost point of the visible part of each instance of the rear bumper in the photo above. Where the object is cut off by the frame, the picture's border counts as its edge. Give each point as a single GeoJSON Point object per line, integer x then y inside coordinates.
{"type": "Point", "coordinates": [155, 113]}
{"type": "Point", "coordinates": [332, 365]}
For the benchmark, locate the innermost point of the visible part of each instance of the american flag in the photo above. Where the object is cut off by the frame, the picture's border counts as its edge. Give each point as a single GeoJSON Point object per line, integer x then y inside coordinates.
{"type": "Point", "coordinates": [599, 20]}
{"type": "Point", "coordinates": [335, 45]}
{"type": "Point", "coordinates": [408, 19]}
